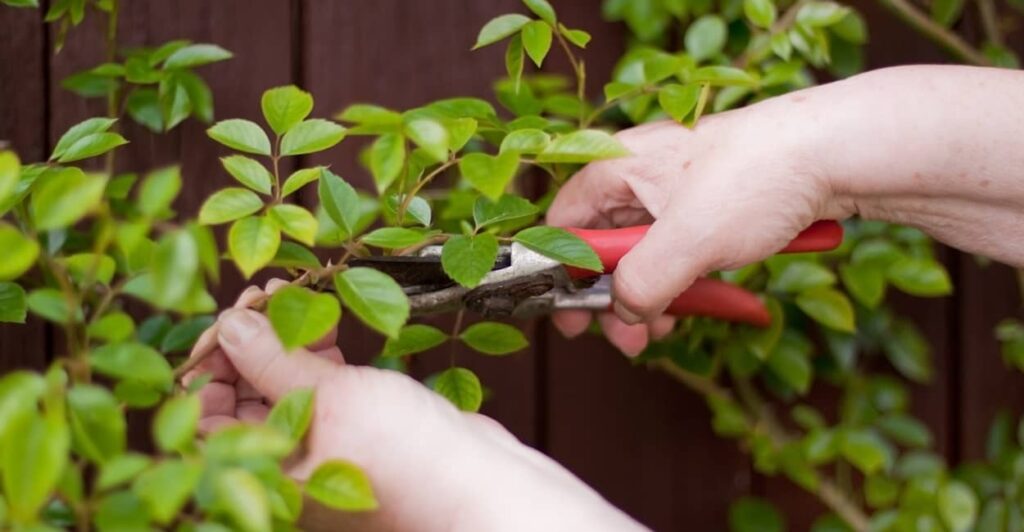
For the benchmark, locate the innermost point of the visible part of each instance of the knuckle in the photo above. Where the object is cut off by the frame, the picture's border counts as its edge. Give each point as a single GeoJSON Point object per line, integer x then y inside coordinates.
{"type": "Point", "coordinates": [633, 291]}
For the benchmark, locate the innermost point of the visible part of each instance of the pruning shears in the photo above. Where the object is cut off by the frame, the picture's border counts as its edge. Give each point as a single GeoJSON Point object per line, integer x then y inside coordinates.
{"type": "Point", "coordinates": [524, 283]}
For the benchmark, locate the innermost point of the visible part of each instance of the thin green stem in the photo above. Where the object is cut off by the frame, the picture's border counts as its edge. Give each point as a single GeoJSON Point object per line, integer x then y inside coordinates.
{"type": "Point", "coordinates": [990, 22]}
{"type": "Point", "coordinates": [455, 334]}
{"type": "Point", "coordinates": [275, 159]}
{"type": "Point", "coordinates": [938, 33]}
{"type": "Point", "coordinates": [579, 70]}
{"type": "Point", "coordinates": [407, 199]}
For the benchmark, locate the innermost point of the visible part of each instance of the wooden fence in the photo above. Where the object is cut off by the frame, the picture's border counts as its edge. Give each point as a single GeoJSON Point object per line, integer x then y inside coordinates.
{"type": "Point", "coordinates": [639, 438]}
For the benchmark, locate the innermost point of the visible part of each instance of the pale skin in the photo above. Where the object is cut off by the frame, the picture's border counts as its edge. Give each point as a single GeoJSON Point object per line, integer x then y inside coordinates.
{"type": "Point", "coordinates": [938, 148]}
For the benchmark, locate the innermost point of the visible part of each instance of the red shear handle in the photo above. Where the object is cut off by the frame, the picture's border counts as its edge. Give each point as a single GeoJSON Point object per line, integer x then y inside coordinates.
{"type": "Point", "coordinates": [613, 244]}
{"type": "Point", "coordinates": [712, 298]}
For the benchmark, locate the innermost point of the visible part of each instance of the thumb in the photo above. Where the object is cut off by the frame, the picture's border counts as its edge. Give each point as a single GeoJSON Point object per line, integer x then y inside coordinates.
{"type": "Point", "coordinates": [253, 348]}
{"type": "Point", "coordinates": [660, 267]}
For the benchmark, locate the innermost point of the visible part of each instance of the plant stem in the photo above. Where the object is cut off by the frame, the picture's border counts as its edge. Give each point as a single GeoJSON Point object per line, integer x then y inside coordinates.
{"type": "Point", "coordinates": [579, 70]}
{"type": "Point", "coordinates": [990, 22]}
{"type": "Point", "coordinates": [275, 159]}
{"type": "Point", "coordinates": [936, 32]}
{"type": "Point", "coordinates": [407, 199]}
{"type": "Point", "coordinates": [782, 24]}
{"type": "Point", "coordinates": [827, 491]}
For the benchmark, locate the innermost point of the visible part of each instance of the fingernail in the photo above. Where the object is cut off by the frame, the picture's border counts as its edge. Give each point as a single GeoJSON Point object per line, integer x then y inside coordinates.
{"type": "Point", "coordinates": [237, 326]}
{"type": "Point", "coordinates": [625, 315]}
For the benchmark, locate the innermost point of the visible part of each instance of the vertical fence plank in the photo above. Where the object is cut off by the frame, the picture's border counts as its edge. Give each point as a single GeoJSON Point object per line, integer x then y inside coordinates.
{"type": "Point", "coordinates": [403, 54]}
{"type": "Point", "coordinates": [23, 125]}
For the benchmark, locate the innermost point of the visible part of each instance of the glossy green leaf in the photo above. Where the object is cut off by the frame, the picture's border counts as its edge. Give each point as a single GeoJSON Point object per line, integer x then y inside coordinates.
{"type": "Point", "coordinates": [97, 423]}
{"type": "Point", "coordinates": [908, 351]}
{"type": "Point", "coordinates": [20, 252]}
{"type": "Point", "coordinates": [249, 172]}
{"type": "Point", "coordinates": [51, 304]}
{"type": "Point", "coordinates": [32, 464]}
{"type": "Point", "coordinates": [339, 200]}
{"type": "Point", "coordinates": [394, 237]}
{"type": "Point", "coordinates": [761, 13]}
{"type": "Point", "coordinates": [121, 469]}
{"type": "Point", "coordinates": [724, 76]}
{"type": "Point", "coordinates": [678, 100]}
{"type": "Point", "coordinates": [387, 156]}
{"type": "Point", "coordinates": [184, 334]}
{"type": "Point", "coordinates": [537, 37]}
{"type": "Point", "coordinates": [852, 28]}
{"type": "Point", "coordinates": [10, 174]}
{"type": "Point", "coordinates": [561, 245]}
{"type": "Point", "coordinates": [292, 414]}
{"type": "Point", "coordinates": [367, 114]}
{"type": "Point", "coordinates": [460, 386]}
{"type": "Point", "coordinates": [578, 37]}
{"type": "Point", "coordinates": [488, 173]}
{"type": "Point", "coordinates": [460, 131]}
{"type": "Point", "coordinates": [705, 37]}
{"type": "Point", "coordinates": [865, 283]}
{"type": "Point", "coordinates": [311, 136]}
{"type": "Point", "coordinates": [494, 338]}
{"type": "Point", "coordinates": [292, 255]}
{"type": "Point", "coordinates": [905, 430]}
{"type": "Point", "coordinates": [176, 422]}
{"type": "Point", "coordinates": [13, 306]}
{"type": "Point", "coordinates": [514, 59]}
{"type": "Point", "coordinates": [299, 179]}
{"type": "Point", "coordinates": [866, 451]}
{"type": "Point", "coordinates": [64, 196]}
{"type": "Point", "coordinates": [582, 146]}
{"type": "Point", "coordinates": [750, 514]}
{"type": "Point", "coordinates": [418, 210]}
{"type": "Point", "coordinates": [525, 141]}
{"type": "Point", "coordinates": [341, 485]}
{"type": "Point", "coordinates": [166, 487]}
{"type": "Point", "coordinates": [500, 27]}
{"type": "Point", "coordinates": [129, 360]}
{"type": "Point", "coordinates": [543, 9]}
{"type": "Point", "coordinates": [801, 275]}
{"type": "Point", "coordinates": [920, 277]}
{"type": "Point", "coordinates": [112, 328]}
{"type": "Point", "coordinates": [301, 316]}
{"type": "Point", "coordinates": [295, 222]}
{"type": "Point", "coordinates": [819, 14]}
{"type": "Point", "coordinates": [241, 443]}
{"type": "Point", "coordinates": [91, 146]}
{"type": "Point", "coordinates": [196, 55]}
{"type": "Point", "coordinates": [827, 306]}
{"type": "Point", "coordinates": [467, 259]}
{"type": "Point", "coordinates": [375, 298]}
{"type": "Point", "coordinates": [791, 365]}
{"type": "Point", "coordinates": [413, 339]}
{"type": "Point", "coordinates": [781, 46]}
{"type": "Point", "coordinates": [252, 243]}
{"type": "Point", "coordinates": [158, 191]}
{"type": "Point", "coordinates": [507, 208]}
{"type": "Point", "coordinates": [78, 132]}
{"type": "Point", "coordinates": [429, 135]}
{"type": "Point", "coordinates": [946, 12]}
{"type": "Point", "coordinates": [958, 506]}
{"type": "Point", "coordinates": [243, 498]}
{"type": "Point", "coordinates": [284, 107]}
{"type": "Point", "coordinates": [174, 266]}
{"type": "Point", "coordinates": [19, 392]}
{"type": "Point", "coordinates": [242, 135]}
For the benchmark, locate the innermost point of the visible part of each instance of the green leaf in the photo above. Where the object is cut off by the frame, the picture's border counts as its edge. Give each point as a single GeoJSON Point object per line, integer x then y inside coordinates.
{"type": "Point", "coordinates": [292, 255]}
{"type": "Point", "coordinates": [507, 208]}
{"type": "Point", "coordinates": [166, 487]}
{"type": "Point", "coordinates": [852, 28]}
{"type": "Point", "coordinates": [429, 135]}
{"type": "Point", "coordinates": [292, 414]}
{"type": "Point", "coordinates": [174, 266]}
{"type": "Point", "coordinates": [78, 132]}
{"type": "Point", "coordinates": [311, 136]}
{"type": "Point", "coordinates": [489, 174]}
{"type": "Point", "coordinates": [196, 55]}
{"type": "Point", "coordinates": [243, 498]}
{"type": "Point", "coordinates": [542, 9]}
{"type": "Point", "coordinates": [500, 27]}
{"type": "Point", "coordinates": [946, 12]}
{"type": "Point", "coordinates": [97, 423]}
{"type": "Point", "coordinates": [781, 46]}
{"type": "Point", "coordinates": [252, 243]}
{"type": "Point", "coordinates": [375, 298]}
{"type": "Point", "coordinates": [820, 14]}
{"type": "Point", "coordinates": [705, 37]}
{"type": "Point", "coordinates": [200, 97]}
{"type": "Point", "coordinates": [341, 485]}
{"type": "Point", "coordinates": [19, 392]}
{"type": "Point", "coordinates": [761, 13]}
{"type": "Point", "coordinates": [578, 37]}
{"type": "Point", "coordinates": [460, 130]}
{"type": "Point", "coordinates": [229, 204]}
{"type": "Point", "coordinates": [750, 514]}
{"type": "Point", "coordinates": [158, 191]}
{"type": "Point", "coordinates": [299, 179]}
{"type": "Point", "coordinates": [387, 156]}
{"type": "Point", "coordinates": [130, 360]}
{"type": "Point", "coordinates": [920, 277]}
{"type": "Point", "coordinates": [790, 364]}
{"type": "Point", "coordinates": [10, 174]}
{"type": "Point", "coordinates": [284, 107]}
{"type": "Point", "coordinates": [460, 386]}
{"type": "Point", "coordinates": [801, 275]}
{"type": "Point", "coordinates": [467, 259]}
{"type": "Point", "coordinates": [175, 424]}
{"type": "Point", "coordinates": [514, 60]}
{"type": "Point", "coordinates": [20, 252]}
{"type": "Point", "coordinates": [561, 245]}
{"type": "Point", "coordinates": [12, 303]}
{"type": "Point", "coordinates": [865, 283]}
{"type": "Point", "coordinates": [183, 336]}
{"type": "Point", "coordinates": [91, 146]}
{"type": "Point", "coordinates": [372, 115]}
{"type": "Point", "coordinates": [51, 304]}
{"type": "Point", "coordinates": [240, 443]}
{"type": "Point", "coordinates": [173, 100]}
{"type": "Point", "coordinates": [723, 76]}
{"type": "Point", "coordinates": [339, 200]}
{"type": "Point", "coordinates": [64, 196]}
{"type": "Point", "coordinates": [418, 209]}
{"type": "Point", "coordinates": [121, 510]}
{"type": "Point", "coordinates": [120, 469]}
{"type": "Point", "coordinates": [301, 316]}
{"type": "Point", "coordinates": [22, 3]}
{"type": "Point", "coordinates": [295, 222]}
{"type": "Point", "coordinates": [827, 306]}
{"type": "Point", "coordinates": [678, 100]}
{"type": "Point", "coordinates": [908, 351]}
{"type": "Point", "coordinates": [582, 146]}
{"type": "Point", "coordinates": [394, 237]}
{"type": "Point", "coordinates": [249, 172]}
{"type": "Point", "coordinates": [32, 464]}
{"type": "Point", "coordinates": [242, 135]}
{"type": "Point", "coordinates": [537, 40]}
{"type": "Point", "coordinates": [112, 328]}
{"type": "Point", "coordinates": [906, 430]}
{"type": "Point", "coordinates": [866, 451]}
{"type": "Point", "coordinates": [958, 506]}
{"type": "Point", "coordinates": [413, 339]}
{"type": "Point", "coordinates": [525, 141]}
{"type": "Point", "coordinates": [494, 338]}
